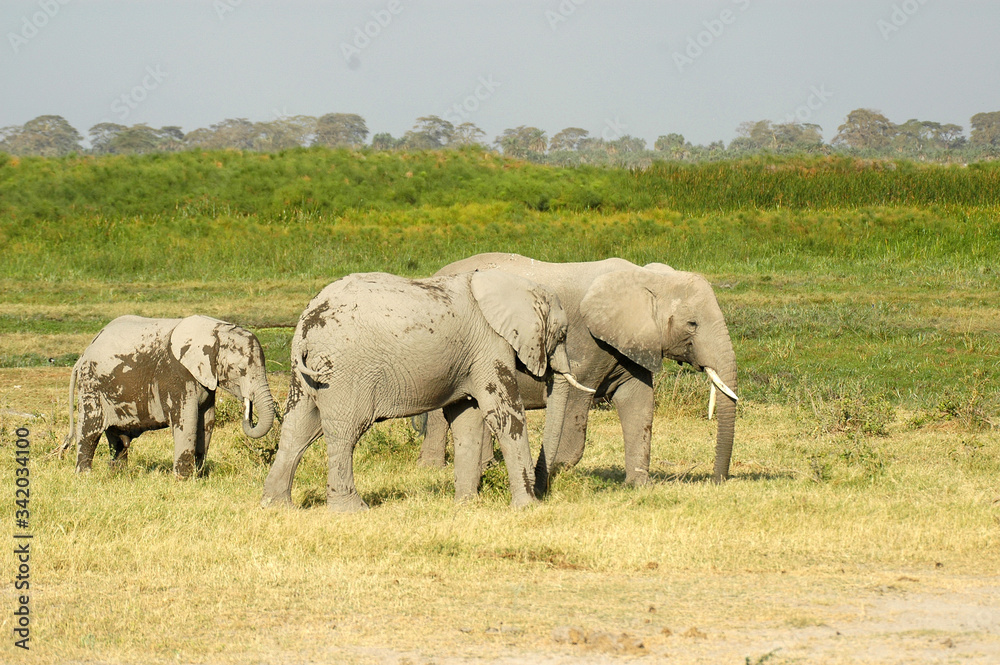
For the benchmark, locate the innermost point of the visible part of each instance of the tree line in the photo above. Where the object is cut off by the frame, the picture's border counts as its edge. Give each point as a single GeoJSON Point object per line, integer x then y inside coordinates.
{"type": "Point", "coordinates": [865, 132]}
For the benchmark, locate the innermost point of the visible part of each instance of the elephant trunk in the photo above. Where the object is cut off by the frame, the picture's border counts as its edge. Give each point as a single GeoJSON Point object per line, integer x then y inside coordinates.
{"type": "Point", "coordinates": [559, 362]}
{"type": "Point", "coordinates": [261, 399]}
{"type": "Point", "coordinates": [725, 369]}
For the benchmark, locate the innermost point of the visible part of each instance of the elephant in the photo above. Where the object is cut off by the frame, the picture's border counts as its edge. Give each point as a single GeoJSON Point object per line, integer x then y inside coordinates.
{"type": "Point", "coordinates": [624, 320]}
{"type": "Point", "coordinates": [141, 374]}
{"type": "Point", "coordinates": [374, 346]}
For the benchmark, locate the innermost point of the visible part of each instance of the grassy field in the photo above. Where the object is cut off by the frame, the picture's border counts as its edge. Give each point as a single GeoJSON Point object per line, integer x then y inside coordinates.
{"type": "Point", "coordinates": [862, 523]}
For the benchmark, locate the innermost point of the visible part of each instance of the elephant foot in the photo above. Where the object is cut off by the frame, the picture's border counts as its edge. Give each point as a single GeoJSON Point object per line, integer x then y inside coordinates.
{"type": "Point", "coordinates": [276, 500]}
{"type": "Point", "coordinates": [184, 466]}
{"type": "Point", "coordinates": [521, 502]}
{"type": "Point", "coordinates": [351, 503]}
{"type": "Point", "coordinates": [431, 462]}
{"type": "Point", "coordinates": [638, 478]}
{"type": "Point", "coordinates": [466, 496]}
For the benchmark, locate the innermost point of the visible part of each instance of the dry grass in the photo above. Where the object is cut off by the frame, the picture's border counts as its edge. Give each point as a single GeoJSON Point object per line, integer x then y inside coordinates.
{"type": "Point", "coordinates": [137, 567]}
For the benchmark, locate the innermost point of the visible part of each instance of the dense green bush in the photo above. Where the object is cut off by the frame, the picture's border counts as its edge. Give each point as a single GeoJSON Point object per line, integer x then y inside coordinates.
{"type": "Point", "coordinates": [281, 186]}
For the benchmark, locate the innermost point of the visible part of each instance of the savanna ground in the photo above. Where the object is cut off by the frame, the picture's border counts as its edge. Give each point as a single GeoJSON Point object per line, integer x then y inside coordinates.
{"type": "Point", "coordinates": [861, 524]}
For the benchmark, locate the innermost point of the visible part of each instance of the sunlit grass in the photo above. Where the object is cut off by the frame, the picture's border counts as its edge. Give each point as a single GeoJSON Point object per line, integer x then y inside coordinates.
{"type": "Point", "coordinates": [136, 565]}
{"type": "Point", "coordinates": [864, 319]}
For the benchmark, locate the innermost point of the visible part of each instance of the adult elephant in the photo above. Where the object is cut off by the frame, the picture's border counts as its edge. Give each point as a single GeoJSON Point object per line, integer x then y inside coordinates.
{"type": "Point", "coordinates": [374, 346]}
{"type": "Point", "coordinates": [624, 320]}
{"type": "Point", "coordinates": [141, 374]}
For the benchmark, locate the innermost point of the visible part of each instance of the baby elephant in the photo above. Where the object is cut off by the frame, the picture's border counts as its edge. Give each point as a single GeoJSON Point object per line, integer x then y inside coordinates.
{"type": "Point", "coordinates": [144, 374]}
{"type": "Point", "coordinates": [374, 346]}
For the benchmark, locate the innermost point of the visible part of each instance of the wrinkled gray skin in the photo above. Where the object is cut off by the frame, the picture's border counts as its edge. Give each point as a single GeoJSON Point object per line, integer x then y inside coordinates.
{"type": "Point", "coordinates": [374, 346]}
{"type": "Point", "coordinates": [144, 374]}
{"type": "Point", "coordinates": [624, 320]}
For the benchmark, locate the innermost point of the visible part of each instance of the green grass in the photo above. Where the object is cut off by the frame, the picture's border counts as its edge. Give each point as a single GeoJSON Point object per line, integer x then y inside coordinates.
{"type": "Point", "coordinates": [862, 303]}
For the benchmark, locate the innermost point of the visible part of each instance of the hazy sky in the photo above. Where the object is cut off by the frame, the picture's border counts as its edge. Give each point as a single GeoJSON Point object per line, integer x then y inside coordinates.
{"type": "Point", "coordinates": [617, 67]}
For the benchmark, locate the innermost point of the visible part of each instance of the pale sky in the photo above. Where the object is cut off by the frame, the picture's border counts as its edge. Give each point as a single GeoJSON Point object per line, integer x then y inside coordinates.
{"type": "Point", "coordinates": [612, 67]}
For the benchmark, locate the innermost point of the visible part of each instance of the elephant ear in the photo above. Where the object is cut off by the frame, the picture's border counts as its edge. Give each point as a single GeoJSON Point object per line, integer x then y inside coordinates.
{"type": "Point", "coordinates": [517, 310]}
{"type": "Point", "coordinates": [195, 344]}
{"type": "Point", "coordinates": [620, 309]}
{"type": "Point", "coordinates": [659, 267]}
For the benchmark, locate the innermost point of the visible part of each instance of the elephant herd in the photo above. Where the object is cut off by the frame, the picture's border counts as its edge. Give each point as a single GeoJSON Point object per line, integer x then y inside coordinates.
{"type": "Point", "coordinates": [473, 346]}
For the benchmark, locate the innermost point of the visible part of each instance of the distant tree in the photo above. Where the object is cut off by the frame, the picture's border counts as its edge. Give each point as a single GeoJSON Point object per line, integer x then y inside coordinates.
{"type": "Point", "coordinates": [234, 133]}
{"type": "Point", "coordinates": [625, 144]}
{"type": "Point", "coordinates": [985, 129]}
{"type": "Point", "coordinates": [797, 136]}
{"type": "Point", "coordinates": [913, 135]}
{"type": "Point", "coordinates": [285, 132]}
{"type": "Point", "coordinates": [112, 138]}
{"type": "Point", "coordinates": [384, 141]}
{"type": "Point", "coordinates": [103, 134]}
{"type": "Point", "coordinates": [171, 138]}
{"type": "Point", "coordinates": [669, 143]}
{"type": "Point", "coordinates": [590, 143]}
{"type": "Point", "coordinates": [759, 135]}
{"type": "Point", "coordinates": [467, 134]}
{"type": "Point", "coordinates": [341, 130]}
{"type": "Point", "coordinates": [430, 133]}
{"type": "Point", "coordinates": [568, 139]}
{"type": "Point", "coordinates": [46, 135]}
{"type": "Point", "coordinates": [865, 129]}
{"type": "Point", "coordinates": [136, 139]}
{"type": "Point", "coordinates": [199, 138]}
{"type": "Point", "coordinates": [951, 135]}
{"type": "Point", "coordinates": [522, 142]}
{"type": "Point", "coordinates": [919, 137]}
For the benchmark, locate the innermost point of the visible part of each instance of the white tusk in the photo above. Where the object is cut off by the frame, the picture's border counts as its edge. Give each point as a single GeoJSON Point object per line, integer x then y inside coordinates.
{"type": "Point", "coordinates": [711, 402]}
{"type": "Point", "coordinates": [717, 382]}
{"type": "Point", "coordinates": [576, 384]}
{"type": "Point", "coordinates": [246, 409]}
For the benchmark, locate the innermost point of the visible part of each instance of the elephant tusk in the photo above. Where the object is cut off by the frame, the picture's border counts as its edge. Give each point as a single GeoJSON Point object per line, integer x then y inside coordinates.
{"type": "Point", "coordinates": [711, 402]}
{"type": "Point", "coordinates": [246, 409]}
{"type": "Point", "coordinates": [576, 384]}
{"type": "Point", "coordinates": [717, 382]}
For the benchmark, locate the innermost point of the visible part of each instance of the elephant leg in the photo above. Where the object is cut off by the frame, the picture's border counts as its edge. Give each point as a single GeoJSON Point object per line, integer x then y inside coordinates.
{"type": "Point", "coordinates": [486, 456]}
{"type": "Point", "coordinates": [432, 450]}
{"type": "Point", "coordinates": [85, 449]}
{"type": "Point", "coordinates": [185, 429]}
{"type": "Point", "coordinates": [341, 437]}
{"type": "Point", "coordinates": [206, 426]}
{"type": "Point", "coordinates": [118, 443]}
{"type": "Point", "coordinates": [299, 429]}
{"type": "Point", "coordinates": [505, 418]}
{"type": "Point", "coordinates": [468, 427]}
{"type": "Point", "coordinates": [90, 421]}
{"type": "Point", "coordinates": [634, 402]}
{"type": "Point", "coordinates": [565, 433]}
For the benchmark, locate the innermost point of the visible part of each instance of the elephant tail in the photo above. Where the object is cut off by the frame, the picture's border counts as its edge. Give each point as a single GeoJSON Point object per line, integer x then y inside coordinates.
{"type": "Point", "coordinates": [71, 435]}
{"type": "Point", "coordinates": [299, 363]}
